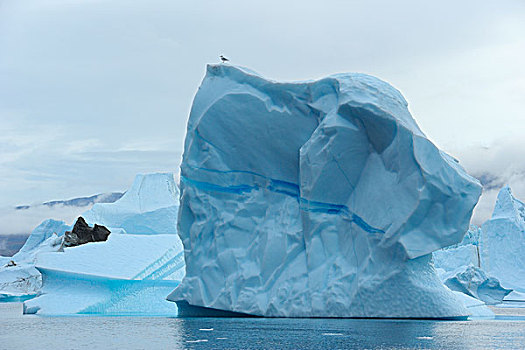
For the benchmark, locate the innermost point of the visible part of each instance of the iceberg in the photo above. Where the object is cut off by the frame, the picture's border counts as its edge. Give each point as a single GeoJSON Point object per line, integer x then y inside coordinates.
{"type": "Point", "coordinates": [125, 275]}
{"type": "Point", "coordinates": [315, 199]}
{"type": "Point", "coordinates": [449, 259]}
{"type": "Point", "coordinates": [41, 233]}
{"type": "Point", "coordinates": [474, 282]}
{"type": "Point", "coordinates": [503, 252]}
{"type": "Point", "coordinates": [19, 278]}
{"type": "Point", "coordinates": [459, 267]}
{"type": "Point", "coordinates": [150, 206]}
{"type": "Point", "coordinates": [130, 273]}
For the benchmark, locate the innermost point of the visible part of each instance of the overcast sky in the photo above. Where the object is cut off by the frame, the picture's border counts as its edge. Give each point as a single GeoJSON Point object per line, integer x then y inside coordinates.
{"type": "Point", "coordinates": [93, 92]}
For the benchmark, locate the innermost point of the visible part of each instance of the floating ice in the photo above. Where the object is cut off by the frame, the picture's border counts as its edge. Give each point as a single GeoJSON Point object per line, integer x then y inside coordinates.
{"type": "Point", "coordinates": [475, 307]}
{"type": "Point", "coordinates": [317, 199]}
{"type": "Point", "coordinates": [474, 282]}
{"type": "Point", "coordinates": [127, 274]}
{"type": "Point", "coordinates": [503, 253]}
{"type": "Point", "coordinates": [22, 279]}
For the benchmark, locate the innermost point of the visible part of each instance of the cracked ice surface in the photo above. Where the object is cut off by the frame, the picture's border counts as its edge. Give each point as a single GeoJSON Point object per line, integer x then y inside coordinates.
{"type": "Point", "coordinates": [319, 198]}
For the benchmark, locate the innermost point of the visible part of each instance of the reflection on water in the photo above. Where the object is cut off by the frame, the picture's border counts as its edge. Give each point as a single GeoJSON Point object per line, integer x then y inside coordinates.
{"type": "Point", "coordinates": [31, 332]}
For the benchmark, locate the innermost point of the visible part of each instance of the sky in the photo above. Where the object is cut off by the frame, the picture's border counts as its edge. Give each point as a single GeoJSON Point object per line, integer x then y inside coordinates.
{"type": "Point", "coordinates": [93, 92]}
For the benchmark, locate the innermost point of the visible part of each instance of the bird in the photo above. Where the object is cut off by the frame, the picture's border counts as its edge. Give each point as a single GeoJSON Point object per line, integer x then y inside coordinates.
{"type": "Point", "coordinates": [224, 59]}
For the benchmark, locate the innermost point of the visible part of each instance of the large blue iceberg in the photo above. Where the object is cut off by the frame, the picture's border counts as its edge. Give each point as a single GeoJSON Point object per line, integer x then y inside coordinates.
{"type": "Point", "coordinates": [315, 199]}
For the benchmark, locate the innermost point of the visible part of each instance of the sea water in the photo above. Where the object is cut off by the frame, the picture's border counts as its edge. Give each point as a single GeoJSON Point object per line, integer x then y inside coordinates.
{"type": "Point", "coordinates": [87, 332]}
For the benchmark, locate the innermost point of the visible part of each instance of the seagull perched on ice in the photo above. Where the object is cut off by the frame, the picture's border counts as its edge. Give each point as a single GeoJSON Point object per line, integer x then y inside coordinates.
{"type": "Point", "coordinates": [224, 59]}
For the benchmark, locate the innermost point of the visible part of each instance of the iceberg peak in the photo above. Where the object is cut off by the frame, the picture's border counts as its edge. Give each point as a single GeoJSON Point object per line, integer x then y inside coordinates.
{"type": "Point", "coordinates": [507, 206]}
{"type": "Point", "coordinates": [150, 206]}
{"type": "Point", "coordinates": [503, 254]}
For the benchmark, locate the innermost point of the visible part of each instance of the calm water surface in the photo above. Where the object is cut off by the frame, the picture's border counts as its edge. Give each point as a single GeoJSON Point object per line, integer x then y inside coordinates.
{"type": "Point", "coordinates": [34, 332]}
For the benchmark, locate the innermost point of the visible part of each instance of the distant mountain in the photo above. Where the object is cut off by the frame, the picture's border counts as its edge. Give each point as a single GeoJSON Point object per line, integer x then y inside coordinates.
{"type": "Point", "coordinates": [19, 221]}
{"type": "Point", "coordinates": [10, 244]}
{"type": "Point", "coordinates": [79, 202]}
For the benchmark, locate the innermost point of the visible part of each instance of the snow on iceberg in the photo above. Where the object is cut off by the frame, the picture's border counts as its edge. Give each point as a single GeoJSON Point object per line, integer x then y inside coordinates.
{"type": "Point", "coordinates": [126, 275]}
{"type": "Point", "coordinates": [150, 206]}
{"type": "Point", "coordinates": [503, 252]}
{"type": "Point", "coordinates": [315, 199]}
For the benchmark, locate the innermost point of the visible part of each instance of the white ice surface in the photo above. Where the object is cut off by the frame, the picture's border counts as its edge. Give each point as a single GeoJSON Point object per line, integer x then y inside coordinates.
{"type": "Point", "coordinates": [125, 275]}
{"type": "Point", "coordinates": [23, 278]}
{"type": "Point", "coordinates": [121, 256]}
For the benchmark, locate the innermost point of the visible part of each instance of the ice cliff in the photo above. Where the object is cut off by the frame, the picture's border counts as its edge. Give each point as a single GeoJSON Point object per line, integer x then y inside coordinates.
{"type": "Point", "coordinates": [150, 206]}
{"type": "Point", "coordinates": [315, 199]}
{"type": "Point", "coordinates": [503, 252]}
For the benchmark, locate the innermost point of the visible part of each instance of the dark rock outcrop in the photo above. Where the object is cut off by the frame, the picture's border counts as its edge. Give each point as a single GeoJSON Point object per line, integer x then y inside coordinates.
{"type": "Point", "coordinates": [82, 234]}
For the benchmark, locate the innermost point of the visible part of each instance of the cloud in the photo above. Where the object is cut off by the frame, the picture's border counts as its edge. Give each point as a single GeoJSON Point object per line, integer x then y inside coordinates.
{"type": "Point", "coordinates": [499, 163]}
{"type": "Point", "coordinates": [93, 92]}
{"type": "Point", "coordinates": [24, 221]}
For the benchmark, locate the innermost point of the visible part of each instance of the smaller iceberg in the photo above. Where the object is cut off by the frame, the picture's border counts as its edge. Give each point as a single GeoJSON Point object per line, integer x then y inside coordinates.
{"type": "Point", "coordinates": [459, 267]}
{"type": "Point", "coordinates": [503, 251]}
{"type": "Point", "coordinates": [474, 282]}
{"type": "Point", "coordinates": [19, 279]}
{"type": "Point", "coordinates": [129, 274]}
{"type": "Point", "coordinates": [150, 206]}
{"type": "Point", "coordinates": [489, 264]}
{"type": "Point", "coordinates": [126, 275]}
{"type": "Point", "coordinates": [41, 233]}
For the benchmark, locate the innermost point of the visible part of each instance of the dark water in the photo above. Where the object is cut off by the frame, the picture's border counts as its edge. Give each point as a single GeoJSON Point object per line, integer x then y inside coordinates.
{"type": "Point", "coordinates": [33, 332]}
